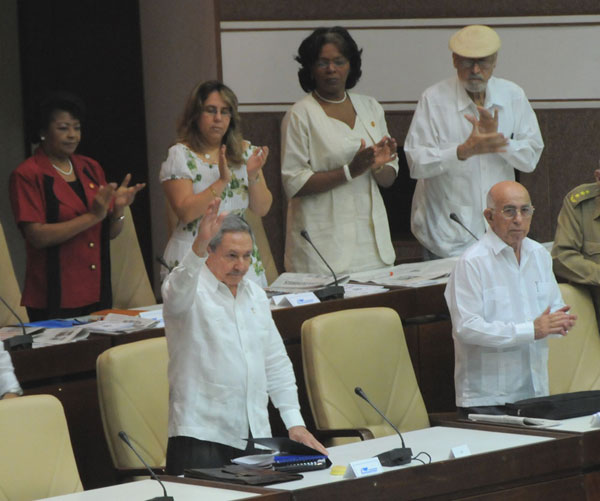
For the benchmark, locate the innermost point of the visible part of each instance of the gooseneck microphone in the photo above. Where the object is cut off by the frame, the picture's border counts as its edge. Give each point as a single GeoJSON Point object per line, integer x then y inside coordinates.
{"type": "Point", "coordinates": [123, 436]}
{"type": "Point", "coordinates": [456, 219]}
{"type": "Point", "coordinates": [395, 457]}
{"type": "Point", "coordinates": [17, 342]}
{"type": "Point", "coordinates": [331, 291]}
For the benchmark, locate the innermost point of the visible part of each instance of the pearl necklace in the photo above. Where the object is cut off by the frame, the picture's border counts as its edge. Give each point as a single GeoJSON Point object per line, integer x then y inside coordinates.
{"type": "Point", "coordinates": [65, 173]}
{"type": "Point", "coordinates": [331, 101]}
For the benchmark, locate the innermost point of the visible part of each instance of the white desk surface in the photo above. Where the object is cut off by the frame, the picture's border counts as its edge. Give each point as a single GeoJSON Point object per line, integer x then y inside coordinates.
{"type": "Point", "coordinates": [436, 441]}
{"type": "Point", "coordinates": [147, 489]}
{"type": "Point", "coordinates": [579, 425]}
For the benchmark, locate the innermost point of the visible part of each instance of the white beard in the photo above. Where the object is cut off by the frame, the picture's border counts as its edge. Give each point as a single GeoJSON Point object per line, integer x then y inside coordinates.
{"type": "Point", "coordinates": [474, 86]}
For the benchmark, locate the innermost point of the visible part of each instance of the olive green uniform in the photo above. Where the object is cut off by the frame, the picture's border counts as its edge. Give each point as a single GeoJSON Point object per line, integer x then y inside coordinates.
{"type": "Point", "coordinates": [576, 251]}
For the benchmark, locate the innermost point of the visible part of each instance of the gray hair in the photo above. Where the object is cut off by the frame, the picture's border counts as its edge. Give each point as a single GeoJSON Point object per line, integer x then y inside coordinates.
{"type": "Point", "coordinates": [490, 202]}
{"type": "Point", "coordinates": [231, 224]}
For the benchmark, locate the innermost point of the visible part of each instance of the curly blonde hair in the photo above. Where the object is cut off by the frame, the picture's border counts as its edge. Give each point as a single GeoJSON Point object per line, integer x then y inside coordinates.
{"type": "Point", "coordinates": [187, 129]}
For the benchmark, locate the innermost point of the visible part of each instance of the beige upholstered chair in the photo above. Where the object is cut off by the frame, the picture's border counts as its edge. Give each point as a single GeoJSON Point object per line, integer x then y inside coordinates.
{"type": "Point", "coordinates": [574, 360]}
{"type": "Point", "coordinates": [262, 242]}
{"type": "Point", "coordinates": [133, 389]}
{"type": "Point", "coordinates": [130, 284]}
{"type": "Point", "coordinates": [366, 348]}
{"type": "Point", "coordinates": [37, 458]}
{"type": "Point", "coordinates": [9, 287]}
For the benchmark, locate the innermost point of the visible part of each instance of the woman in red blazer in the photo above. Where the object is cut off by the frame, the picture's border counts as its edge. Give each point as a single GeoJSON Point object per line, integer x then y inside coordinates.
{"type": "Point", "coordinates": [67, 213]}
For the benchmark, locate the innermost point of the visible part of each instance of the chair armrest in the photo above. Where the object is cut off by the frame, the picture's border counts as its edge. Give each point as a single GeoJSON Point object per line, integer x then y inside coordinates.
{"type": "Point", "coordinates": [362, 433]}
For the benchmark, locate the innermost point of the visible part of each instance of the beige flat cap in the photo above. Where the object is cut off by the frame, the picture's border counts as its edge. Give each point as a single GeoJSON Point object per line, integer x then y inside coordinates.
{"type": "Point", "coordinates": [475, 41]}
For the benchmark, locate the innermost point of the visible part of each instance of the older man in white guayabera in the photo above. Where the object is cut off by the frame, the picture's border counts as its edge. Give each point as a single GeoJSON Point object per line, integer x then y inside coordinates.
{"type": "Point", "coordinates": [468, 133]}
{"type": "Point", "coordinates": [504, 303]}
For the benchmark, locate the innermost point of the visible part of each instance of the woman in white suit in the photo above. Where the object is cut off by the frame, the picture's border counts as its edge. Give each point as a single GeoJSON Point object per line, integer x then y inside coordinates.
{"type": "Point", "coordinates": [336, 153]}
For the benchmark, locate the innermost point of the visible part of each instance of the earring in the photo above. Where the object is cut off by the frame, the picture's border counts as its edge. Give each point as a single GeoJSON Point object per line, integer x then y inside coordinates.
{"type": "Point", "coordinates": [43, 138]}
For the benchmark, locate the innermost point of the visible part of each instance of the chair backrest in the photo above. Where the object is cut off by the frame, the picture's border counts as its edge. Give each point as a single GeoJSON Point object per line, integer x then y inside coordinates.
{"type": "Point", "coordinates": [37, 458]}
{"type": "Point", "coordinates": [361, 347]}
{"type": "Point", "coordinates": [133, 389]}
{"type": "Point", "coordinates": [130, 284]}
{"type": "Point", "coordinates": [9, 287]}
{"type": "Point", "coordinates": [262, 242]}
{"type": "Point", "coordinates": [574, 360]}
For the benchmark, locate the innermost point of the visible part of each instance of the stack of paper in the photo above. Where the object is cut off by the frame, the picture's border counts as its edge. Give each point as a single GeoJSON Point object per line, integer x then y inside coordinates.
{"type": "Point", "coordinates": [114, 323]}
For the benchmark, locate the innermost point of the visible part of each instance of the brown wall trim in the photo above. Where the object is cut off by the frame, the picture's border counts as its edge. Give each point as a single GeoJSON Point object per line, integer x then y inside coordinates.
{"type": "Point", "coordinates": [274, 10]}
{"type": "Point", "coordinates": [422, 27]}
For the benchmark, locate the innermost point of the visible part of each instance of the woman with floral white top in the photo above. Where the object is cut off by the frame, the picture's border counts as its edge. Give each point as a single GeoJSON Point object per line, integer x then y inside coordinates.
{"type": "Point", "coordinates": [210, 159]}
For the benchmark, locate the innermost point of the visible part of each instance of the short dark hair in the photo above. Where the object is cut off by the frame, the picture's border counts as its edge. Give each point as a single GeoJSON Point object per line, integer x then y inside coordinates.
{"type": "Point", "coordinates": [310, 48]}
{"type": "Point", "coordinates": [232, 223]}
{"type": "Point", "coordinates": [53, 102]}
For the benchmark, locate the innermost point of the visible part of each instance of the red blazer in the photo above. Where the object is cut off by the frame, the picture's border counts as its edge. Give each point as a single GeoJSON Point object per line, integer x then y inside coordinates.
{"type": "Point", "coordinates": [68, 275]}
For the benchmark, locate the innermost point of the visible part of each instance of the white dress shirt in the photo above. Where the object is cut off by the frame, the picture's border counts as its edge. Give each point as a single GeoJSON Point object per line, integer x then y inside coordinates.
{"type": "Point", "coordinates": [311, 143]}
{"type": "Point", "coordinates": [226, 358]}
{"type": "Point", "coordinates": [8, 380]}
{"type": "Point", "coordinates": [493, 301]}
{"type": "Point", "coordinates": [446, 184]}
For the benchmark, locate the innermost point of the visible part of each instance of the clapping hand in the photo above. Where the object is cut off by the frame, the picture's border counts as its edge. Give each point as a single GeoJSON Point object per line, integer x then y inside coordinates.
{"type": "Point", "coordinates": [124, 195]}
{"type": "Point", "coordinates": [256, 161]}
{"type": "Point", "coordinates": [102, 200]}
{"type": "Point", "coordinates": [488, 123]}
{"type": "Point", "coordinates": [224, 170]}
{"type": "Point", "coordinates": [385, 151]}
{"type": "Point", "coordinates": [479, 141]}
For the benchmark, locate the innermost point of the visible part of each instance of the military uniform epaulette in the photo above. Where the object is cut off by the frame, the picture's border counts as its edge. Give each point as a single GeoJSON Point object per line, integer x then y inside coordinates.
{"type": "Point", "coordinates": [583, 192]}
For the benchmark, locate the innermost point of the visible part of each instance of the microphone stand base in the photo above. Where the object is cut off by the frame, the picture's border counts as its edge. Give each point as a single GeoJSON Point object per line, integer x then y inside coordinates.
{"type": "Point", "coordinates": [330, 292]}
{"type": "Point", "coordinates": [20, 342]}
{"type": "Point", "coordinates": [395, 457]}
{"type": "Point", "coordinates": [162, 498]}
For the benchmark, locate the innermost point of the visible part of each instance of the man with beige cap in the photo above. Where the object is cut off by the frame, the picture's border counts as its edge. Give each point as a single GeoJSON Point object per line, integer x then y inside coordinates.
{"type": "Point", "coordinates": [468, 133]}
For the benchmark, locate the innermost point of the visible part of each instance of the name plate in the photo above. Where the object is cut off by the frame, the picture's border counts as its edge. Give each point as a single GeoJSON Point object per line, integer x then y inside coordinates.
{"type": "Point", "coordinates": [460, 451]}
{"type": "Point", "coordinates": [299, 299]}
{"type": "Point", "coordinates": [363, 468]}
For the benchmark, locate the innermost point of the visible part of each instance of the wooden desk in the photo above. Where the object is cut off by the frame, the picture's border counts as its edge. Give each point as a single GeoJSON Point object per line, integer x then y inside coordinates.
{"type": "Point", "coordinates": [180, 489]}
{"type": "Point", "coordinates": [69, 371]}
{"type": "Point", "coordinates": [504, 465]}
{"type": "Point", "coordinates": [587, 451]}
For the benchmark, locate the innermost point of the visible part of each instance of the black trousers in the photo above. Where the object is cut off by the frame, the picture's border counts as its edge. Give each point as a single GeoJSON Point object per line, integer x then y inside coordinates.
{"type": "Point", "coordinates": [188, 452]}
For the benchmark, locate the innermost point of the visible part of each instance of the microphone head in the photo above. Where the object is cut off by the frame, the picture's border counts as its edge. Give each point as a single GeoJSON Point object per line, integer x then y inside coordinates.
{"type": "Point", "coordinates": [304, 234]}
{"type": "Point", "coordinates": [123, 436]}
{"type": "Point", "coordinates": [358, 390]}
{"type": "Point", "coordinates": [453, 216]}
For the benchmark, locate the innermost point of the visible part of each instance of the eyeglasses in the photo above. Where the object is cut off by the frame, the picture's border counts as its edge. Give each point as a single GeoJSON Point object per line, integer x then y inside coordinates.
{"type": "Point", "coordinates": [511, 212]}
{"type": "Point", "coordinates": [213, 110]}
{"type": "Point", "coordinates": [325, 63]}
{"type": "Point", "coordinates": [484, 64]}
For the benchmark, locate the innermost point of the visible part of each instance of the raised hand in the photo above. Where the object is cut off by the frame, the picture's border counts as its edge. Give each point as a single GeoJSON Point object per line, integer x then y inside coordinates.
{"type": "Point", "coordinates": [224, 170]}
{"type": "Point", "coordinates": [125, 194]}
{"type": "Point", "coordinates": [209, 226]}
{"type": "Point", "coordinates": [256, 161]}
